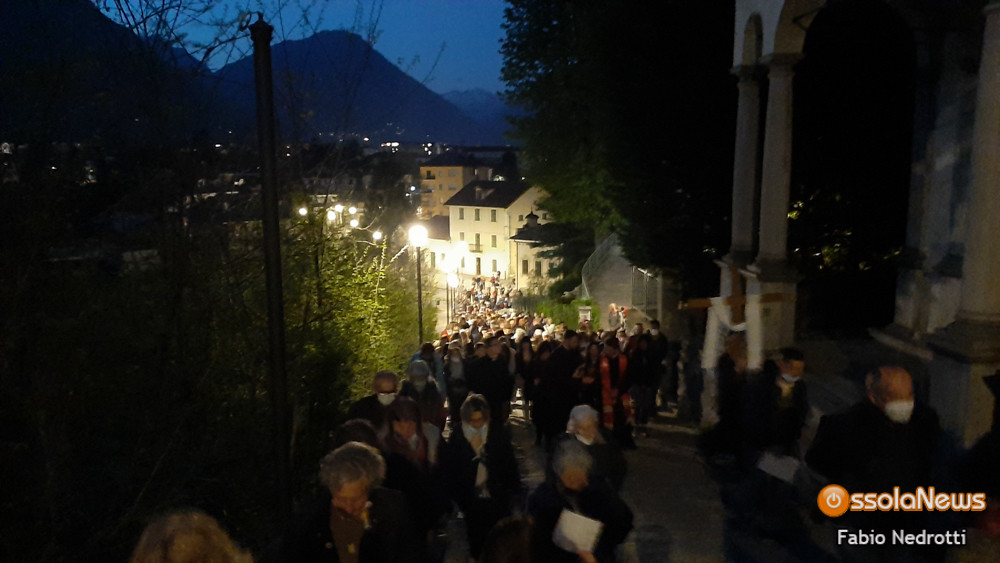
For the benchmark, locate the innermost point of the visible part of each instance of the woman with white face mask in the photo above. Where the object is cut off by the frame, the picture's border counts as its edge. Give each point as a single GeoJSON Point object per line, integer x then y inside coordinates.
{"type": "Point", "coordinates": [423, 389]}
{"type": "Point", "coordinates": [608, 460]}
{"type": "Point", "coordinates": [480, 470]}
{"type": "Point", "coordinates": [373, 407]}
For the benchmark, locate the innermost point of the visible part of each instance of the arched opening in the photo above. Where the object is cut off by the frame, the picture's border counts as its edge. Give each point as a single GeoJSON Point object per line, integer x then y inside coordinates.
{"type": "Point", "coordinates": [854, 92]}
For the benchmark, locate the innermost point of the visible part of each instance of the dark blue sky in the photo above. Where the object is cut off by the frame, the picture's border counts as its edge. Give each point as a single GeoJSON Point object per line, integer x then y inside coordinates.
{"type": "Point", "coordinates": [411, 34]}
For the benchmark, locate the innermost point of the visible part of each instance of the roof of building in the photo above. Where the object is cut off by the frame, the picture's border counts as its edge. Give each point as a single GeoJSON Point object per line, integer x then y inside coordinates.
{"type": "Point", "coordinates": [438, 227]}
{"type": "Point", "coordinates": [453, 158]}
{"type": "Point", "coordinates": [531, 231]}
{"type": "Point", "coordinates": [485, 193]}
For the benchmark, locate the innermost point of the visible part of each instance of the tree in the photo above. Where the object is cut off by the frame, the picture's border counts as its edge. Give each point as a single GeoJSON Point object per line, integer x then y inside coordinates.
{"type": "Point", "coordinates": [629, 132]}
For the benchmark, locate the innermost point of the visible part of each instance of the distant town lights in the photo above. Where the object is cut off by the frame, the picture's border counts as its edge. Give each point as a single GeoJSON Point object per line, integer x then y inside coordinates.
{"type": "Point", "coordinates": [354, 223]}
{"type": "Point", "coordinates": [352, 210]}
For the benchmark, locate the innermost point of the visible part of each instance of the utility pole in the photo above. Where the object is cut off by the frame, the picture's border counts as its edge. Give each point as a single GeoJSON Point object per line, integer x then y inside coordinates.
{"type": "Point", "coordinates": [260, 33]}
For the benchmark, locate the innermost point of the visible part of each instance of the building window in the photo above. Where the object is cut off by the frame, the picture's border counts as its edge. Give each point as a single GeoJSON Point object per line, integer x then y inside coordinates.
{"type": "Point", "coordinates": [463, 262]}
{"type": "Point", "coordinates": [477, 241]}
{"type": "Point", "coordinates": [461, 213]}
{"type": "Point", "coordinates": [477, 214]}
{"type": "Point", "coordinates": [452, 187]}
{"type": "Point", "coordinates": [493, 215]}
{"type": "Point", "coordinates": [548, 271]}
{"type": "Point", "coordinates": [451, 172]}
{"type": "Point", "coordinates": [524, 267]}
{"type": "Point", "coordinates": [494, 266]}
{"type": "Point", "coordinates": [538, 267]}
{"type": "Point", "coordinates": [545, 216]}
{"type": "Point", "coordinates": [461, 236]}
{"type": "Point", "coordinates": [433, 262]}
{"type": "Point", "coordinates": [520, 218]}
{"type": "Point", "coordinates": [493, 241]}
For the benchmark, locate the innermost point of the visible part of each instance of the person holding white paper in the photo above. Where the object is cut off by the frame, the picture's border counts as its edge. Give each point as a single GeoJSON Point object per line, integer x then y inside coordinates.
{"type": "Point", "coordinates": [574, 511]}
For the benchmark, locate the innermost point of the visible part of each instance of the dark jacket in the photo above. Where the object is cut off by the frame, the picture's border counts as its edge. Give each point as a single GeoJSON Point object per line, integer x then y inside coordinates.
{"type": "Point", "coordinates": [491, 379]}
{"type": "Point", "coordinates": [369, 409]}
{"type": "Point", "coordinates": [431, 401]}
{"type": "Point", "coordinates": [863, 451]}
{"type": "Point", "coordinates": [459, 465]}
{"type": "Point", "coordinates": [609, 460]}
{"type": "Point", "coordinates": [597, 501]}
{"type": "Point", "coordinates": [770, 421]}
{"type": "Point", "coordinates": [390, 539]}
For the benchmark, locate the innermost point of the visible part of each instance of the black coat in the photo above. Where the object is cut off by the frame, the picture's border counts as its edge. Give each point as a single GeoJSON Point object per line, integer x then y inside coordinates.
{"type": "Point", "coordinates": [459, 466]}
{"type": "Point", "coordinates": [492, 380]}
{"type": "Point", "coordinates": [368, 408]}
{"type": "Point", "coordinates": [769, 421]}
{"type": "Point", "coordinates": [390, 539]}
{"type": "Point", "coordinates": [609, 460]}
{"type": "Point", "coordinates": [597, 501]}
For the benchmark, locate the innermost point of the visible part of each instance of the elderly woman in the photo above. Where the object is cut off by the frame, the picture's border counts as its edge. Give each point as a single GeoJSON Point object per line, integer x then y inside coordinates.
{"type": "Point", "coordinates": [608, 460]}
{"type": "Point", "coordinates": [480, 470]}
{"type": "Point", "coordinates": [354, 519]}
{"type": "Point", "coordinates": [571, 489]}
{"type": "Point", "coordinates": [187, 537]}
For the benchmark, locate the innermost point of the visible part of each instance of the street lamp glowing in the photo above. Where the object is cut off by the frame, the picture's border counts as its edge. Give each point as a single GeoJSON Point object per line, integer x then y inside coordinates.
{"type": "Point", "coordinates": [352, 210]}
{"type": "Point", "coordinates": [452, 280]}
{"type": "Point", "coordinates": [338, 208]}
{"type": "Point", "coordinates": [377, 236]}
{"type": "Point", "coordinates": [331, 215]}
{"type": "Point", "coordinates": [418, 236]}
{"type": "Point", "coordinates": [354, 223]}
{"type": "Point", "coordinates": [303, 211]}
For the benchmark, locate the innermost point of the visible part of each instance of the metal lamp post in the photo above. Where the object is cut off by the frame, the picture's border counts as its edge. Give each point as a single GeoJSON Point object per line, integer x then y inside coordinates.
{"type": "Point", "coordinates": [418, 239]}
{"type": "Point", "coordinates": [452, 284]}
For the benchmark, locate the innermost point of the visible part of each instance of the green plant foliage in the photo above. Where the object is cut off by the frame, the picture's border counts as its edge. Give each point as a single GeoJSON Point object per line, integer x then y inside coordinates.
{"type": "Point", "coordinates": [131, 387]}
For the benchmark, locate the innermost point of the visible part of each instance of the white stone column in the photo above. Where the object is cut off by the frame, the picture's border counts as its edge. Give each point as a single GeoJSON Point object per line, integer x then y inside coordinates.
{"type": "Point", "coordinates": [770, 272]}
{"type": "Point", "coordinates": [745, 166]}
{"type": "Point", "coordinates": [969, 348]}
{"type": "Point", "coordinates": [776, 171]}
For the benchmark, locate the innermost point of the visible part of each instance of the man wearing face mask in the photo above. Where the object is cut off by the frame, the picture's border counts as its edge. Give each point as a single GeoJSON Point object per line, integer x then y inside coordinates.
{"type": "Point", "coordinates": [777, 405]}
{"type": "Point", "coordinates": [884, 441]}
{"type": "Point", "coordinates": [373, 407]}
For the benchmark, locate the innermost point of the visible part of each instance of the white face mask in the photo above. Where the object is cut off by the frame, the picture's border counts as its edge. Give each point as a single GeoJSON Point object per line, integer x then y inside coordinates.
{"type": "Point", "coordinates": [414, 441]}
{"type": "Point", "coordinates": [654, 331]}
{"type": "Point", "coordinates": [789, 378]}
{"type": "Point", "coordinates": [471, 431]}
{"type": "Point", "coordinates": [386, 398]}
{"type": "Point", "coordinates": [585, 441]}
{"type": "Point", "coordinates": [899, 411]}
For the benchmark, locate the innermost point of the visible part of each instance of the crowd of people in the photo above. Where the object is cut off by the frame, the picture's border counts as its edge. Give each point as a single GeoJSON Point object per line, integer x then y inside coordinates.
{"type": "Point", "coordinates": [434, 444]}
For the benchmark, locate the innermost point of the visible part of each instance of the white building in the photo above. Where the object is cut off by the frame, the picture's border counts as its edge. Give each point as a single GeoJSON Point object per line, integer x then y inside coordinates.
{"type": "Point", "coordinates": [482, 219]}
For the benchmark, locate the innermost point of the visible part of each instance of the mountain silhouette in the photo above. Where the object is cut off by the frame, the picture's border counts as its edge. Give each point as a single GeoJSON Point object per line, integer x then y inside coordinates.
{"type": "Point", "coordinates": [72, 74]}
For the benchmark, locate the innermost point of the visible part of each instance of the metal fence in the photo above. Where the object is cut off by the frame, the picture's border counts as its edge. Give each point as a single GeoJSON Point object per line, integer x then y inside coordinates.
{"type": "Point", "coordinates": [646, 292]}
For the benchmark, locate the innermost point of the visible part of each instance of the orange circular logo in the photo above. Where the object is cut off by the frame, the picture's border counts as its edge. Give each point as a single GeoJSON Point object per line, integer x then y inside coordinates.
{"type": "Point", "coordinates": [833, 500]}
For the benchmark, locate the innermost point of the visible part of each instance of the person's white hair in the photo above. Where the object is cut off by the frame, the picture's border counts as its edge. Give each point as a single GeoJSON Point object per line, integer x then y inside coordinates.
{"type": "Point", "coordinates": [354, 461]}
{"type": "Point", "coordinates": [570, 454]}
{"type": "Point", "coordinates": [579, 415]}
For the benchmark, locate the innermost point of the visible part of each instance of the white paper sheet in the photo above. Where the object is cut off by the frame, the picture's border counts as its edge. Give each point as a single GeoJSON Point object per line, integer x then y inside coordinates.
{"type": "Point", "coordinates": [575, 532]}
{"type": "Point", "coordinates": [781, 466]}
